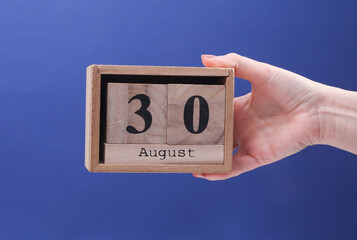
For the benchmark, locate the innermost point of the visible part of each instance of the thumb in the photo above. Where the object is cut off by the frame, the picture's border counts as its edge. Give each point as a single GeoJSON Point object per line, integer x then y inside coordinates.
{"type": "Point", "coordinates": [245, 68]}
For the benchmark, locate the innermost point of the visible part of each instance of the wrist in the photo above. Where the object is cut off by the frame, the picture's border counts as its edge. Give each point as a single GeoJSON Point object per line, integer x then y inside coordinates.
{"type": "Point", "coordinates": [337, 114]}
{"type": "Point", "coordinates": [326, 116]}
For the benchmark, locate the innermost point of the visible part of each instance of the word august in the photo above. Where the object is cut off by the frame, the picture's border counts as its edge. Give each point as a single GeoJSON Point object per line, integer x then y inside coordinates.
{"type": "Point", "coordinates": [166, 153]}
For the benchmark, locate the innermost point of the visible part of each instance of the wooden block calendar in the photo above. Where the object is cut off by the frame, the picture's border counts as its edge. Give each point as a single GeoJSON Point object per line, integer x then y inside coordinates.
{"type": "Point", "coordinates": [159, 119]}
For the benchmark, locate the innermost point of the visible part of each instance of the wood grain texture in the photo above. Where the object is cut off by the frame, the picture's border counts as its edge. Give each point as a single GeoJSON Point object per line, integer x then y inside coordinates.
{"type": "Point", "coordinates": [162, 153]}
{"type": "Point", "coordinates": [178, 96]}
{"type": "Point", "coordinates": [229, 119]}
{"type": "Point", "coordinates": [121, 113]}
{"type": "Point", "coordinates": [92, 139]}
{"type": "Point", "coordinates": [92, 118]}
{"type": "Point", "coordinates": [163, 168]}
{"type": "Point", "coordinates": [163, 71]}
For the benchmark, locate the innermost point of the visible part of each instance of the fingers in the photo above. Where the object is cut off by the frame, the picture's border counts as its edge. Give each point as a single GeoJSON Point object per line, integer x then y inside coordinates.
{"type": "Point", "coordinates": [244, 67]}
{"type": "Point", "coordinates": [241, 164]}
{"type": "Point", "coordinates": [214, 176]}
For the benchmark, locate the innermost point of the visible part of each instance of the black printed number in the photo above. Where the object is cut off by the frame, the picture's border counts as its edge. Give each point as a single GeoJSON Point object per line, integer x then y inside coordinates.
{"type": "Point", "coordinates": [187, 114]}
{"type": "Point", "coordinates": [142, 112]}
{"type": "Point", "coordinates": [203, 117]}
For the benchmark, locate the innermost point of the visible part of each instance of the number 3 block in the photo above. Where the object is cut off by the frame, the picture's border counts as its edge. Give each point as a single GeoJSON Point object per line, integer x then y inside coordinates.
{"type": "Point", "coordinates": [136, 113]}
{"type": "Point", "coordinates": [196, 114]}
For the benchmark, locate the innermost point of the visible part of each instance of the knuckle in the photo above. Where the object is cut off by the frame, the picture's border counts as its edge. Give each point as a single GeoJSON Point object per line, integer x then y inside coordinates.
{"type": "Point", "coordinates": [267, 70]}
{"type": "Point", "coordinates": [232, 54]}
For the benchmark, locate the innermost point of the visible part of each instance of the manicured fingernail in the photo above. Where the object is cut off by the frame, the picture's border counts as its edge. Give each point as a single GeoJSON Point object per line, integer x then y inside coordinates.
{"type": "Point", "coordinates": [208, 56]}
{"type": "Point", "coordinates": [197, 175]}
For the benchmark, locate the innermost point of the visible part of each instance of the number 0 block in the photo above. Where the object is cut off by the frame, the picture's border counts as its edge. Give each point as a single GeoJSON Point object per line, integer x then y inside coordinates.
{"type": "Point", "coordinates": [196, 114]}
{"type": "Point", "coordinates": [159, 119]}
{"type": "Point", "coordinates": [136, 113]}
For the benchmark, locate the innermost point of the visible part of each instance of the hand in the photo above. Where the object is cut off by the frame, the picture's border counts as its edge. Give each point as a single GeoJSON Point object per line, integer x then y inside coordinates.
{"type": "Point", "coordinates": [277, 119]}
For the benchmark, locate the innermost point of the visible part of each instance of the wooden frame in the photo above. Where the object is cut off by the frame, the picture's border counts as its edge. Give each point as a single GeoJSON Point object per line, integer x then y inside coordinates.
{"type": "Point", "coordinates": [93, 117]}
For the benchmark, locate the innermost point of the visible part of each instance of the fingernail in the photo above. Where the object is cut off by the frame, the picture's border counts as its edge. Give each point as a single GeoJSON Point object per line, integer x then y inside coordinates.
{"type": "Point", "coordinates": [197, 175]}
{"type": "Point", "coordinates": [208, 56]}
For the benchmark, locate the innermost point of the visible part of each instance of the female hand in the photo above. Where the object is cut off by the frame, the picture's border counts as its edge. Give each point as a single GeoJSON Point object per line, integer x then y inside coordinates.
{"type": "Point", "coordinates": [281, 115]}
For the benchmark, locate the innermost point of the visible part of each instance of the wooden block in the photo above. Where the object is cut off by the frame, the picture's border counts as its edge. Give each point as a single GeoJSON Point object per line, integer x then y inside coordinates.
{"type": "Point", "coordinates": [196, 114]}
{"type": "Point", "coordinates": [136, 113]}
{"type": "Point", "coordinates": [162, 153]}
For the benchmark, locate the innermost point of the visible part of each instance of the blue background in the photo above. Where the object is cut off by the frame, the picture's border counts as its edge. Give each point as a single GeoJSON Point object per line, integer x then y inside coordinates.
{"type": "Point", "coordinates": [45, 190]}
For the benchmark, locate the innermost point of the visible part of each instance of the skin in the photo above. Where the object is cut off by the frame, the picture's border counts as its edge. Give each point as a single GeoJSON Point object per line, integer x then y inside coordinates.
{"type": "Point", "coordinates": [283, 114]}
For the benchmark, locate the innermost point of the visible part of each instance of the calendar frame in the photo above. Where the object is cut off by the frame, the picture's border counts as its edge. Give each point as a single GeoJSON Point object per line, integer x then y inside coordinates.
{"type": "Point", "coordinates": [93, 143]}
